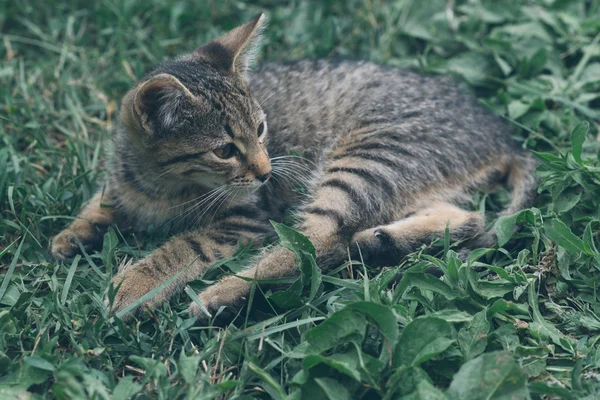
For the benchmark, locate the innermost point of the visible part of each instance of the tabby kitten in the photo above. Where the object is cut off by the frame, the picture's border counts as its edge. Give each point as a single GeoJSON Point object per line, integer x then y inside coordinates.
{"type": "Point", "coordinates": [388, 155]}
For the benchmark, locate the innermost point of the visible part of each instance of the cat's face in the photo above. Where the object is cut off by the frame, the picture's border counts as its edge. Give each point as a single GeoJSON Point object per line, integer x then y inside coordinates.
{"type": "Point", "coordinates": [195, 119]}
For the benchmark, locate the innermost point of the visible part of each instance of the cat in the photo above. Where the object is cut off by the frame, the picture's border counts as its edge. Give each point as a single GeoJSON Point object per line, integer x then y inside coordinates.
{"type": "Point", "coordinates": [387, 156]}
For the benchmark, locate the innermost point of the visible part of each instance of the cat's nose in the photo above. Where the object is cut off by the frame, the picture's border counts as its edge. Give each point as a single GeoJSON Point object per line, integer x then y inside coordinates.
{"type": "Point", "coordinates": [264, 178]}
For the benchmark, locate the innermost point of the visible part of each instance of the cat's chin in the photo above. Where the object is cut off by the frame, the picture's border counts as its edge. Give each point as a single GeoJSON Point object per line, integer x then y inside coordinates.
{"type": "Point", "coordinates": [245, 189]}
{"type": "Point", "coordinates": [242, 191]}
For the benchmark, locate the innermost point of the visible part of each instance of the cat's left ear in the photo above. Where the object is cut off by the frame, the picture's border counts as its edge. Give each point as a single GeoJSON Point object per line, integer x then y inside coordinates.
{"type": "Point", "coordinates": [235, 51]}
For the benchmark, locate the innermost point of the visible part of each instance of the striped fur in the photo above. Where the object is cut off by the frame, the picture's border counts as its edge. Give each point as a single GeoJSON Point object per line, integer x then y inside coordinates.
{"type": "Point", "coordinates": [387, 156]}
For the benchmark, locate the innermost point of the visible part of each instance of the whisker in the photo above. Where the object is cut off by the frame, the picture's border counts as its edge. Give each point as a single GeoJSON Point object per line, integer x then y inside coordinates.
{"type": "Point", "coordinates": [198, 219]}
{"type": "Point", "coordinates": [293, 176]}
{"type": "Point", "coordinates": [201, 202]}
{"type": "Point", "coordinates": [192, 200]}
{"type": "Point", "coordinates": [293, 165]}
{"type": "Point", "coordinates": [293, 156]}
{"type": "Point", "coordinates": [230, 196]}
{"type": "Point", "coordinates": [306, 173]}
{"type": "Point", "coordinates": [275, 179]}
{"type": "Point", "coordinates": [270, 94]}
{"type": "Point", "coordinates": [284, 179]}
{"type": "Point", "coordinates": [161, 175]}
{"type": "Point", "coordinates": [193, 208]}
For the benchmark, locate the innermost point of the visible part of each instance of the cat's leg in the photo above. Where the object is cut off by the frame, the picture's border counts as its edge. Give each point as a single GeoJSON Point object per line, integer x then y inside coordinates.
{"type": "Point", "coordinates": [362, 186]}
{"type": "Point", "coordinates": [342, 201]}
{"type": "Point", "coordinates": [89, 227]}
{"type": "Point", "coordinates": [188, 256]}
{"type": "Point", "coordinates": [322, 224]}
{"type": "Point", "coordinates": [388, 243]}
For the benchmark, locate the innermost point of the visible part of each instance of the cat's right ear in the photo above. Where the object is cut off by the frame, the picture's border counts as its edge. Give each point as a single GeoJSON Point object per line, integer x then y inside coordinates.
{"type": "Point", "coordinates": [235, 51]}
{"type": "Point", "coordinates": [156, 105]}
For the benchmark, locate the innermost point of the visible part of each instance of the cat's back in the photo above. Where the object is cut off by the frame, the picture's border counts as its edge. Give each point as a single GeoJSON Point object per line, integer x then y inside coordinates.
{"type": "Point", "coordinates": [313, 103]}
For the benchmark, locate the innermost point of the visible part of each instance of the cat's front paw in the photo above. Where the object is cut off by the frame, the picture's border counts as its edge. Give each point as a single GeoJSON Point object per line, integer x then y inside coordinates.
{"type": "Point", "coordinates": [64, 245]}
{"type": "Point", "coordinates": [132, 284]}
{"type": "Point", "coordinates": [231, 293]}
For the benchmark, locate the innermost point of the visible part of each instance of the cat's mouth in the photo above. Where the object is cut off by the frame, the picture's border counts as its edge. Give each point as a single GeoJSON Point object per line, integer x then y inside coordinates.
{"type": "Point", "coordinates": [251, 184]}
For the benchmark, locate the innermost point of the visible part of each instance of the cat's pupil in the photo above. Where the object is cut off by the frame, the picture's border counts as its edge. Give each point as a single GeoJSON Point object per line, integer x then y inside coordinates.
{"type": "Point", "coordinates": [261, 129]}
{"type": "Point", "coordinates": [227, 151]}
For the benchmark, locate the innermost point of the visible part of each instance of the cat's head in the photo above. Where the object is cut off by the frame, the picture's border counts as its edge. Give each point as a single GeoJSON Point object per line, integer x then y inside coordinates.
{"type": "Point", "coordinates": [193, 119]}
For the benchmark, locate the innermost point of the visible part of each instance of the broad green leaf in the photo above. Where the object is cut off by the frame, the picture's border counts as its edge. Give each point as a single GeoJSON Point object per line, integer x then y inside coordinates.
{"type": "Point", "coordinates": [545, 327]}
{"type": "Point", "coordinates": [188, 367]}
{"type": "Point", "coordinates": [289, 298]}
{"type": "Point", "coordinates": [7, 324]}
{"type": "Point", "coordinates": [126, 388]}
{"type": "Point", "coordinates": [9, 392]}
{"type": "Point", "coordinates": [11, 295]}
{"type": "Point", "coordinates": [533, 366]}
{"type": "Point", "coordinates": [528, 357]}
{"type": "Point", "coordinates": [473, 67]}
{"type": "Point", "coordinates": [507, 336]}
{"type": "Point", "coordinates": [305, 255]}
{"type": "Point", "coordinates": [333, 389]}
{"type": "Point", "coordinates": [430, 282]}
{"type": "Point", "coordinates": [382, 316]}
{"type": "Point", "coordinates": [577, 138]}
{"type": "Point", "coordinates": [153, 368]}
{"type": "Point", "coordinates": [426, 391]}
{"type": "Point", "coordinates": [27, 375]}
{"type": "Point", "coordinates": [537, 61]}
{"type": "Point", "coordinates": [490, 376]}
{"type": "Point", "coordinates": [418, 22]}
{"type": "Point", "coordinates": [293, 240]}
{"type": "Point", "coordinates": [505, 227]}
{"type": "Point", "coordinates": [346, 363]}
{"type": "Point", "coordinates": [489, 289]}
{"type": "Point", "coordinates": [517, 109]}
{"type": "Point", "coordinates": [554, 391]}
{"type": "Point", "coordinates": [502, 305]}
{"type": "Point", "coordinates": [452, 315]}
{"type": "Point", "coordinates": [341, 327]}
{"type": "Point", "coordinates": [4, 363]}
{"type": "Point", "coordinates": [412, 383]}
{"type": "Point", "coordinates": [421, 340]}
{"type": "Point", "coordinates": [566, 200]}
{"type": "Point", "coordinates": [40, 363]}
{"type": "Point", "coordinates": [549, 159]}
{"type": "Point", "coordinates": [504, 66]}
{"type": "Point", "coordinates": [268, 380]}
{"type": "Point", "coordinates": [588, 240]}
{"type": "Point", "coordinates": [477, 254]}
{"type": "Point", "coordinates": [472, 338]}
{"type": "Point", "coordinates": [561, 235]}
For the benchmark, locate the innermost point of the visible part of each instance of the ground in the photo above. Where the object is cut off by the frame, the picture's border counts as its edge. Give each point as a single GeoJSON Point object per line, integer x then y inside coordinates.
{"type": "Point", "coordinates": [520, 320]}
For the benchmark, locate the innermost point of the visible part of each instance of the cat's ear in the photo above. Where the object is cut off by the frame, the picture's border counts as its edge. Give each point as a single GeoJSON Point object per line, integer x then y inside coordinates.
{"type": "Point", "coordinates": [236, 50]}
{"type": "Point", "coordinates": [157, 104]}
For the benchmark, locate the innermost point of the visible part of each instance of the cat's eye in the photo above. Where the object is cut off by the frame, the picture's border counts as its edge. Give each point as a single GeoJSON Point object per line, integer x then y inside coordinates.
{"type": "Point", "coordinates": [261, 129]}
{"type": "Point", "coordinates": [227, 151]}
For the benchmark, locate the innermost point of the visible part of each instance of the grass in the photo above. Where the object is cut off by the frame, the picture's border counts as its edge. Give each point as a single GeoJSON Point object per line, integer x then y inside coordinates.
{"type": "Point", "coordinates": [518, 321]}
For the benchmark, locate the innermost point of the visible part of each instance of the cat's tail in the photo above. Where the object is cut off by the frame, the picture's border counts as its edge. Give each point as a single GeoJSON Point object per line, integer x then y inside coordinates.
{"type": "Point", "coordinates": [522, 182]}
